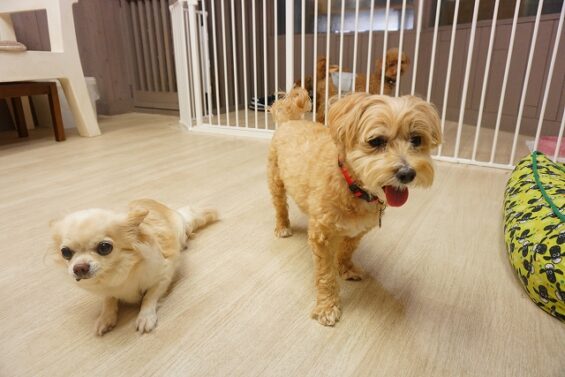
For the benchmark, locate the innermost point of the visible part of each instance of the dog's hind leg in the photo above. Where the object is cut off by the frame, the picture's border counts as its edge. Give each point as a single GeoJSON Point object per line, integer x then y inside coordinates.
{"type": "Point", "coordinates": [347, 270]}
{"type": "Point", "coordinates": [278, 194]}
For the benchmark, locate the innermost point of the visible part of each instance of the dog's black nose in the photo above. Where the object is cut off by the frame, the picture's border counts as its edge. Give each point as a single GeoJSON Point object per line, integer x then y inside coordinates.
{"type": "Point", "coordinates": [81, 269]}
{"type": "Point", "coordinates": [405, 174]}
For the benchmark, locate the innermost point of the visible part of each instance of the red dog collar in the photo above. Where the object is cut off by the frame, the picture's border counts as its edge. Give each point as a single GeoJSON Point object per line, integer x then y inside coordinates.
{"type": "Point", "coordinates": [354, 187]}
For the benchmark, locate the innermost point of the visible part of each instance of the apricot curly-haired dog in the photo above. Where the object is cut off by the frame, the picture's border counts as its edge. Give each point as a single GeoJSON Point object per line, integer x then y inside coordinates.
{"type": "Point", "coordinates": [130, 256]}
{"type": "Point", "coordinates": [391, 67]}
{"type": "Point", "coordinates": [343, 176]}
{"type": "Point", "coordinates": [390, 76]}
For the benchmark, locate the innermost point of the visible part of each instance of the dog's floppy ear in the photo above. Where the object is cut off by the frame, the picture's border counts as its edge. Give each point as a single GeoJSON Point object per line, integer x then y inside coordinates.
{"type": "Point", "coordinates": [379, 67]}
{"type": "Point", "coordinates": [136, 216]}
{"type": "Point", "coordinates": [129, 225]}
{"type": "Point", "coordinates": [321, 68]}
{"type": "Point", "coordinates": [391, 56]}
{"type": "Point", "coordinates": [405, 63]}
{"type": "Point", "coordinates": [427, 119]}
{"type": "Point", "coordinates": [435, 126]}
{"type": "Point", "coordinates": [344, 116]}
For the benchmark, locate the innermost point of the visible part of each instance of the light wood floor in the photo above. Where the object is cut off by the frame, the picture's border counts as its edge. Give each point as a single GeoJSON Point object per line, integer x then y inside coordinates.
{"type": "Point", "coordinates": [440, 298]}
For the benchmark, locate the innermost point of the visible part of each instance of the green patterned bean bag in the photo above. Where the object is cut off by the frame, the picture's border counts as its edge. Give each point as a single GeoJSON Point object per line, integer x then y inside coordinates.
{"type": "Point", "coordinates": [534, 229]}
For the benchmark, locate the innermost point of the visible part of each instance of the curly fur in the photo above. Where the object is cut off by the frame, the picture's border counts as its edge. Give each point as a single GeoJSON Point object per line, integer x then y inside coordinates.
{"type": "Point", "coordinates": [391, 66]}
{"type": "Point", "coordinates": [302, 163]}
{"type": "Point", "coordinates": [291, 106]}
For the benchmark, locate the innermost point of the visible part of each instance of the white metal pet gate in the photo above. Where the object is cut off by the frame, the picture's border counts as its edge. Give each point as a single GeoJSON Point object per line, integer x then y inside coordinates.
{"type": "Point", "coordinates": [497, 81]}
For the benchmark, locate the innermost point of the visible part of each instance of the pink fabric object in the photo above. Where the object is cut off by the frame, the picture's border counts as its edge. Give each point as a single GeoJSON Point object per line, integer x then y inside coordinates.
{"type": "Point", "coordinates": [547, 145]}
{"type": "Point", "coordinates": [12, 46]}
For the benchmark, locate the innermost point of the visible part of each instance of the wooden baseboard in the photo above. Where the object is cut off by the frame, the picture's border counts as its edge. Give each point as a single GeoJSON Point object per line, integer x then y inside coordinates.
{"type": "Point", "coordinates": [156, 111]}
{"type": "Point", "coordinates": [157, 100]}
{"type": "Point", "coordinates": [114, 107]}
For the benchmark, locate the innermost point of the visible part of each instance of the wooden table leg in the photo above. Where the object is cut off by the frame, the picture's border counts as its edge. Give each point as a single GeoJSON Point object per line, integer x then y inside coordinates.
{"type": "Point", "coordinates": [56, 116]}
{"type": "Point", "coordinates": [20, 117]}
{"type": "Point", "coordinates": [33, 111]}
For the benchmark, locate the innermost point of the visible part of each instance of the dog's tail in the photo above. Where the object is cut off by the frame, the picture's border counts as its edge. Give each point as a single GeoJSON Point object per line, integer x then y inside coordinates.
{"type": "Point", "coordinates": [292, 106]}
{"type": "Point", "coordinates": [197, 218]}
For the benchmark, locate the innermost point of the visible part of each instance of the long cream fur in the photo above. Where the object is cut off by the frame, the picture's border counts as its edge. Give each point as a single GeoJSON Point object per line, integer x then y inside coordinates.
{"type": "Point", "coordinates": [147, 241]}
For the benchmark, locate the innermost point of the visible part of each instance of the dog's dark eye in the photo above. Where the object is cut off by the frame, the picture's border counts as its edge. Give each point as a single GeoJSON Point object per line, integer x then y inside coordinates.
{"type": "Point", "coordinates": [104, 248]}
{"type": "Point", "coordinates": [378, 142]}
{"type": "Point", "coordinates": [416, 140]}
{"type": "Point", "coordinates": [67, 253]}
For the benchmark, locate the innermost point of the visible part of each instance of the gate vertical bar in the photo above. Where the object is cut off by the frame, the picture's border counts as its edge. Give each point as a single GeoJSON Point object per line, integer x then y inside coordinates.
{"type": "Point", "coordinates": [433, 56]}
{"type": "Point", "coordinates": [225, 58]}
{"type": "Point", "coordinates": [197, 87]}
{"type": "Point", "coordinates": [234, 58]}
{"type": "Point", "coordinates": [244, 42]}
{"type": "Point", "coordinates": [302, 42]}
{"type": "Point", "coordinates": [369, 46]}
{"type": "Point", "coordinates": [526, 81]}
{"type": "Point", "coordinates": [215, 47]}
{"type": "Point", "coordinates": [505, 80]}
{"type": "Point", "coordinates": [485, 80]}
{"type": "Point", "coordinates": [355, 36]}
{"type": "Point", "coordinates": [559, 137]}
{"type": "Point", "coordinates": [550, 75]}
{"type": "Point", "coordinates": [328, 29]}
{"type": "Point", "coordinates": [314, 71]}
{"type": "Point", "coordinates": [276, 42]}
{"type": "Point", "coordinates": [417, 46]}
{"type": "Point", "coordinates": [255, 98]}
{"type": "Point", "coordinates": [448, 77]}
{"type": "Point", "coordinates": [181, 62]}
{"type": "Point", "coordinates": [400, 47]}
{"type": "Point", "coordinates": [289, 33]}
{"type": "Point", "coordinates": [383, 59]}
{"type": "Point", "coordinates": [340, 48]}
{"type": "Point", "coordinates": [265, 70]}
{"type": "Point", "coordinates": [466, 78]}
{"type": "Point", "coordinates": [207, 63]}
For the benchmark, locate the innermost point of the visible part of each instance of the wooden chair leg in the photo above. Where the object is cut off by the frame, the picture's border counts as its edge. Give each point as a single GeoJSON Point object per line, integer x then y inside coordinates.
{"type": "Point", "coordinates": [20, 117]}
{"type": "Point", "coordinates": [56, 116]}
{"type": "Point", "coordinates": [33, 112]}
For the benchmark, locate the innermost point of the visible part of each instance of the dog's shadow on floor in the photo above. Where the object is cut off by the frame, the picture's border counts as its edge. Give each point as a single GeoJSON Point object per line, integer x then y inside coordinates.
{"type": "Point", "coordinates": [367, 296]}
{"type": "Point", "coordinates": [370, 299]}
{"type": "Point", "coordinates": [127, 313]}
{"type": "Point", "coordinates": [299, 229]}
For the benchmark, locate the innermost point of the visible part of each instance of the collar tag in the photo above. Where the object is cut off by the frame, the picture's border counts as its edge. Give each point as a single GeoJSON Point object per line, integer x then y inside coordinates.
{"type": "Point", "coordinates": [381, 213]}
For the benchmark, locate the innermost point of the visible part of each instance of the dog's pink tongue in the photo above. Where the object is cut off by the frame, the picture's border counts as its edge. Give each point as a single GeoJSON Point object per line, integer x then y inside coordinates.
{"type": "Point", "coordinates": [396, 197]}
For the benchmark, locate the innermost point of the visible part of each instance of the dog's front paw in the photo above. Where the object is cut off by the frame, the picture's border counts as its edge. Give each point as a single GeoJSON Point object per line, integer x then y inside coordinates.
{"type": "Point", "coordinates": [283, 232]}
{"type": "Point", "coordinates": [350, 272]}
{"type": "Point", "coordinates": [105, 323]}
{"type": "Point", "coordinates": [146, 321]}
{"type": "Point", "coordinates": [327, 315]}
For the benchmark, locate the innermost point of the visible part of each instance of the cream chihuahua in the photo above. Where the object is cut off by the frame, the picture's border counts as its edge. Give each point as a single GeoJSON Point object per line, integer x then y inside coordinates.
{"type": "Point", "coordinates": [130, 256]}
